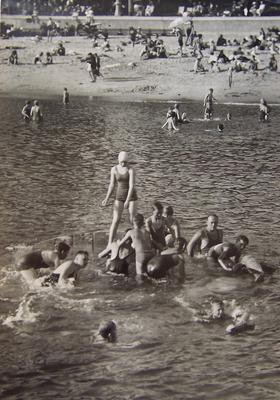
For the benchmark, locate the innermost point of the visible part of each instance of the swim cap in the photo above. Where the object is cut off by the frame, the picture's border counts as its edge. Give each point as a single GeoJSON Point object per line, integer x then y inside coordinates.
{"type": "Point", "coordinates": [123, 156]}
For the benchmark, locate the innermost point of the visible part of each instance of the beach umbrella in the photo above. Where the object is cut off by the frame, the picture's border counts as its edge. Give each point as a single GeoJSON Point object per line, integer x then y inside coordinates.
{"type": "Point", "coordinates": [178, 23]}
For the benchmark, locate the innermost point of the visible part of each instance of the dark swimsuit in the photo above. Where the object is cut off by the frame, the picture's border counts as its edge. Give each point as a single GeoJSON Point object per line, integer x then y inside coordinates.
{"type": "Point", "coordinates": [35, 260]}
{"type": "Point", "coordinates": [123, 187]}
{"type": "Point", "coordinates": [209, 242]}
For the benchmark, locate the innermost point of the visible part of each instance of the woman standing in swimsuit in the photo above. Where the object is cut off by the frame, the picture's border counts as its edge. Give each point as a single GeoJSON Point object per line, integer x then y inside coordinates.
{"type": "Point", "coordinates": [122, 176]}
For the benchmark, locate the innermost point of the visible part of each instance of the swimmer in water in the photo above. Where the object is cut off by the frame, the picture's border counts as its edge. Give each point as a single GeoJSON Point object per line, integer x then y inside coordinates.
{"type": "Point", "coordinates": [171, 221]}
{"type": "Point", "coordinates": [142, 243]}
{"type": "Point", "coordinates": [65, 96]}
{"type": "Point", "coordinates": [263, 111]}
{"type": "Point", "coordinates": [108, 331]}
{"type": "Point", "coordinates": [26, 110]}
{"type": "Point", "coordinates": [36, 113]}
{"type": "Point", "coordinates": [31, 262]}
{"type": "Point", "coordinates": [68, 272]}
{"type": "Point", "coordinates": [229, 257]}
{"type": "Point", "coordinates": [157, 226]}
{"type": "Point", "coordinates": [161, 265]}
{"type": "Point", "coordinates": [122, 176]}
{"type": "Point", "coordinates": [170, 120]}
{"type": "Point", "coordinates": [120, 257]}
{"type": "Point", "coordinates": [209, 99]}
{"type": "Point", "coordinates": [220, 127]}
{"type": "Point", "coordinates": [206, 237]}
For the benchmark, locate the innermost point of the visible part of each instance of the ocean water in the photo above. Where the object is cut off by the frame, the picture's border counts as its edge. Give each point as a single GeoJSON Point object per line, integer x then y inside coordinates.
{"type": "Point", "coordinates": [54, 177]}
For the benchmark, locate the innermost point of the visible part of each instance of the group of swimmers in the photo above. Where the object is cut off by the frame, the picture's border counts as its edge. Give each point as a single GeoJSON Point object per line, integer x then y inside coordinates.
{"type": "Point", "coordinates": [174, 116]}
{"type": "Point", "coordinates": [153, 246]}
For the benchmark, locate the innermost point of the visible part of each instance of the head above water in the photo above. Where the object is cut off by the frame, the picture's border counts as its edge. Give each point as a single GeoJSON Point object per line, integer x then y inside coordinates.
{"type": "Point", "coordinates": [212, 222]}
{"type": "Point", "coordinates": [123, 157]}
{"type": "Point", "coordinates": [108, 331]}
{"type": "Point", "coordinates": [138, 220]}
{"type": "Point", "coordinates": [62, 249]}
{"type": "Point", "coordinates": [157, 209]}
{"type": "Point", "coordinates": [168, 211]}
{"type": "Point", "coordinates": [81, 258]}
{"type": "Point", "coordinates": [242, 241]}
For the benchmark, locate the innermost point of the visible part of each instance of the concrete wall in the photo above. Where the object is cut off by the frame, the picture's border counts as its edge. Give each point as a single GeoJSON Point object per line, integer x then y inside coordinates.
{"type": "Point", "coordinates": [231, 27]}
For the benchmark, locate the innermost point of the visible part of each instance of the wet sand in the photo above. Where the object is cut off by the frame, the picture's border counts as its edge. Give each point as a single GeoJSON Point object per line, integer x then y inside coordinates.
{"type": "Point", "coordinates": [125, 76]}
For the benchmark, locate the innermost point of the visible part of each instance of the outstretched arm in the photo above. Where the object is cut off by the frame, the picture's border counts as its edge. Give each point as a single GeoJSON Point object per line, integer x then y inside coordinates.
{"type": "Point", "coordinates": [224, 257]}
{"type": "Point", "coordinates": [110, 188]}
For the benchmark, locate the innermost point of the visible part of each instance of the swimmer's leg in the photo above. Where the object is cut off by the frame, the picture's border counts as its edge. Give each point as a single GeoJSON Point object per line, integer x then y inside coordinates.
{"type": "Point", "coordinates": [132, 208]}
{"type": "Point", "coordinates": [117, 213]}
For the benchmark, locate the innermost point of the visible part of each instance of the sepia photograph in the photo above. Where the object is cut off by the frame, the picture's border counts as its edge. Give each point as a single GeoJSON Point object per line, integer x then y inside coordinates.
{"type": "Point", "coordinates": [140, 200]}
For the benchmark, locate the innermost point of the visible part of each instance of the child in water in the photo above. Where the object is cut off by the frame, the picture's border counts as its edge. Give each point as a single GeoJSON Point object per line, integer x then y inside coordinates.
{"type": "Point", "coordinates": [170, 120]}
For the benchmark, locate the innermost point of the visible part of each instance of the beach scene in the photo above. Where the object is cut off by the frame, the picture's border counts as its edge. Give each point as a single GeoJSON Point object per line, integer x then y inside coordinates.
{"type": "Point", "coordinates": [140, 200]}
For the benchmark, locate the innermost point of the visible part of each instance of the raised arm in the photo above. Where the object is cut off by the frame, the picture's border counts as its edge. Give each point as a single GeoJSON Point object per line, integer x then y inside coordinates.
{"type": "Point", "coordinates": [110, 188]}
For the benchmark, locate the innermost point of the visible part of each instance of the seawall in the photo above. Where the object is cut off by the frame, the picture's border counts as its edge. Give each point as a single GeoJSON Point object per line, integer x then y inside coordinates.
{"type": "Point", "coordinates": [210, 27]}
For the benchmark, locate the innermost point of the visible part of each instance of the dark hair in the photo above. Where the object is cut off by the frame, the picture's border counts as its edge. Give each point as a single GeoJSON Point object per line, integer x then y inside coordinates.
{"type": "Point", "coordinates": [138, 219]}
{"type": "Point", "coordinates": [243, 238]}
{"type": "Point", "coordinates": [82, 252]}
{"type": "Point", "coordinates": [62, 247]}
{"type": "Point", "coordinates": [157, 206]}
{"type": "Point", "coordinates": [169, 210]}
{"type": "Point", "coordinates": [182, 244]}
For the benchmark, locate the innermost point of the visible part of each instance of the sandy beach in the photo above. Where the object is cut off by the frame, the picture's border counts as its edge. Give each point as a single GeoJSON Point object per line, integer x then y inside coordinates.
{"type": "Point", "coordinates": [125, 76]}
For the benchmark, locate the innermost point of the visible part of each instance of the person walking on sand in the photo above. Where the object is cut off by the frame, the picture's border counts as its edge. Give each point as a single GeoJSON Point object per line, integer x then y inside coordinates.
{"type": "Point", "coordinates": [208, 104]}
{"type": "Point", "coordinates": [65, 96]}
{"type": "Point", "coordinates": [36, 113]}
{"type": "Point", "coordinates": [122, 176]}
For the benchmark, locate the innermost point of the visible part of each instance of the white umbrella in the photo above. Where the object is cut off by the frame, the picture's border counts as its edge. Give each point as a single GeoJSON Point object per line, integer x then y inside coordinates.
{"type": "Point", "coordinates": [178, 23]}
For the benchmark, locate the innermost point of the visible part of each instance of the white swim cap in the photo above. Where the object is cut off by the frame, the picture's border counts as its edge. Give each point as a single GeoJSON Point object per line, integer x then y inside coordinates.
{"type": "Point", "coordinates": [123, 156]}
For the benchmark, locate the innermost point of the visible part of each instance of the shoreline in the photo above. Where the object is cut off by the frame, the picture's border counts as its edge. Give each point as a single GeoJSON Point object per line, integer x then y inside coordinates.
{"type": "Point", "coordinates": [126, 77]}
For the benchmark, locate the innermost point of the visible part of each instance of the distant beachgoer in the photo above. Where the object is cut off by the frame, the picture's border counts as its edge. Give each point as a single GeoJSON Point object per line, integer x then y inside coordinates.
{"type": "Point", "coordinates": [26, 110]}
{"type": "Point", "coordinates": [172, 222]}
{"type": "Point", "coordinates": [205, 238]}
{"type": "Point", "coordinates": [13, 58]}
{"type": "Point", "coordinates": [67, 272]}
{"type": "Point", "coordinates": [29, 263]}
{"type": "Point", "coordinates": [39, 58]}
{"type": "Point", "coordinates": [157, 226]}
{"type": "Point", "coordinates": [220, 127]}
{"type": "Point", "coordinates": [230, 76]}
{"type": "Point", "coordinates": [272, 66]}
{"type": "Point", "coordinates": [49, 58]}
{"type": "Point", "coordinates": [91, 66]}
{"type": "Point", "coordinates": [208, 104]}
{"type": "Point", "coordinates": [170, 120]}
{"type": "Point", "coordinates": [264, 111]}
{"type": "Point", "coordinates": [142, 243]}
{"type": "Point", "coordinates": [61, 49]}
{"type": "Point", "coordinates": [36, 113]}
{"type": "Point", "coordinates": [122, 176]}
{"type": "Point", "coordinates": [179, 35]}
{"type": "Point", "coordinates": [229, 117]}
{"type": "Point", "coordinates": [65, 96]}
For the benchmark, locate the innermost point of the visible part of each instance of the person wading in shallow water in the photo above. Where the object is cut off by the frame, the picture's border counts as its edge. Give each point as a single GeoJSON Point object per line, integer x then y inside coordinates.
{"type": "Point", "coordinates": [123, 177]}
